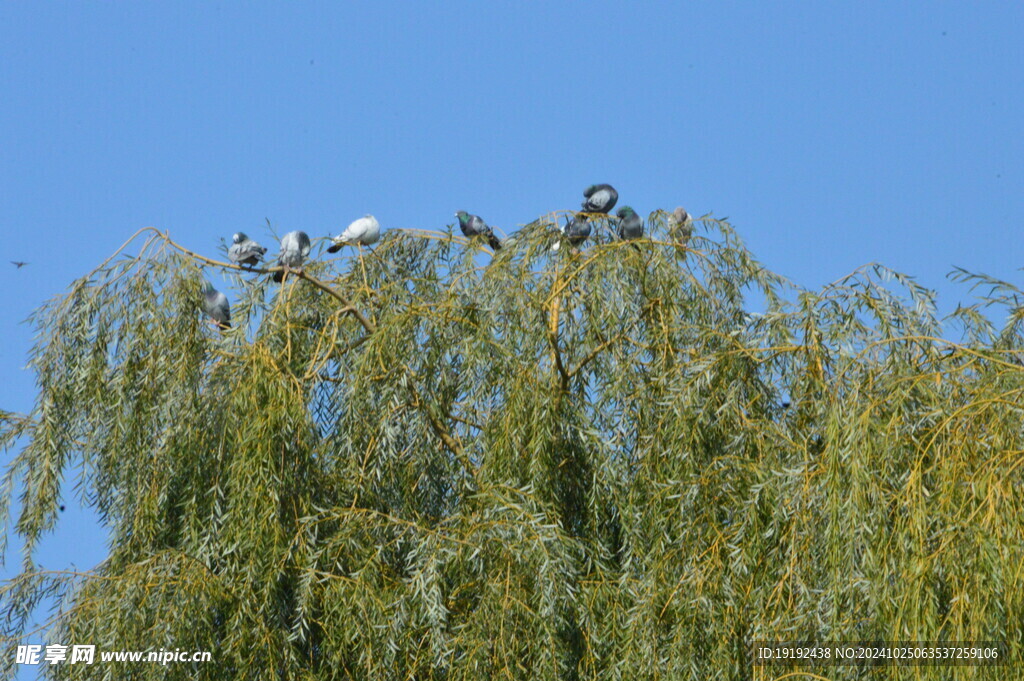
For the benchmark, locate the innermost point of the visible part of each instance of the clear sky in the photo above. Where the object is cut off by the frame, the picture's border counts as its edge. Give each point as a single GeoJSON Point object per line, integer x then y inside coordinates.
{"type": "Point", "coordinates": [830, 134]}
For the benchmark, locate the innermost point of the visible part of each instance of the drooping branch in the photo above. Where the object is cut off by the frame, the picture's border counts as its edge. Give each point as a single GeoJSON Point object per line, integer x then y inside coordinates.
{"type": "Point", "coordinates": [348, 306]}
{"type": "Point", "coordinates": [437, 426]}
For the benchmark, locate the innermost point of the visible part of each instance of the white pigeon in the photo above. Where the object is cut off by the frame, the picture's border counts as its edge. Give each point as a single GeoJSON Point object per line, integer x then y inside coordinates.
{"type": "Point", "coordinates": [364, 232]}
{"type": "Point", "coordinates": [294, 249]}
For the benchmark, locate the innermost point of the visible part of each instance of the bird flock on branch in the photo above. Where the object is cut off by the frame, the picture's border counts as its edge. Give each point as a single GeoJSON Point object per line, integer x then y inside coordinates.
{"type": "Point", "coordinates": [598, 201]}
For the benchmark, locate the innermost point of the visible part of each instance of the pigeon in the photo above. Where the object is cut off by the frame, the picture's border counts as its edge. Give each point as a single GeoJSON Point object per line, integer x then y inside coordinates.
{"type": "Point", "coordinates": [680, 224]}
{"type": "Point", "coordinates": [19, 263]}
{"type": "Point", "coordinates": [473, 225]}
{"type": "Point", "coordinates": [600, 198]}
{"type": "Point", "coordinates": [630, 224]}
{"type": "Point", "coordinates": [216, 305]}
{"type": "Point", "coordinates": [364, 231]}
{"type": "Point", "coordinates": [244, 250]}
{"type": "Point", "coordinates": [294, 249]}
{"type": "Point", "coordinates": [576, 231]}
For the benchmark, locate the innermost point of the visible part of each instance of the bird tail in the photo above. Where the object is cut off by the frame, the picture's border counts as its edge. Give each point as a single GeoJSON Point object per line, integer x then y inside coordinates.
{"type": "Point", "coordinates": [335, 247]}
{"type": "Point", "coordinates": [493, 241]}
{"type": "Point", "coordinates": [277, 277]}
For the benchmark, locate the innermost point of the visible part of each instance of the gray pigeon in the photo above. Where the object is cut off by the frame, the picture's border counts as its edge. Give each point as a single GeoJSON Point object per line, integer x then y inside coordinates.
{"type": "Point", "coordinates": [294, 249]}
{"type": "Point", "coordinates": [576, 231]}
{"type": "Point", "coordinates": [630, 224]}
{"type": "Point", "coordinates": [473, 225]}
{"type": "Point", "coordinates": [365, 231]}
{"type": "Point", "coordinates": [600, 198]}
{"type": "Point", "coordinates": [216, 305]}
{"type": "Point", "coordinates": [245, 251]}
{"type": "Point", "coordinates": [680, 225]}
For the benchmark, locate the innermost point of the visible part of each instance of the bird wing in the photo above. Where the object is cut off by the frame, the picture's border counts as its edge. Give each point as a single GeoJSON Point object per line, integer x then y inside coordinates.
{"type": "Point", "coordinates": [216, 305]}
{"type": "Point", "coordinates": [479, 226]}
{"type": "Point", "coordinates": [222, 306]}
{"type": "Point", "coordinates": [356, 230]}
{"type": "Point", "coordinates": [289, 248]}
{"type": "Point", "coordinates": [295, 247]}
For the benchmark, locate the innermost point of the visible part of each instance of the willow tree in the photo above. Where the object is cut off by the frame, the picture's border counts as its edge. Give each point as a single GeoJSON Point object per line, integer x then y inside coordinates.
{"type": "Point", "coordinates": [433, 462]}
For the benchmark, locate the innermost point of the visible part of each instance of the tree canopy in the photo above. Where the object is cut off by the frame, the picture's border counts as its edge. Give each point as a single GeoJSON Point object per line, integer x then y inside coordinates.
{"type": "Point", "coordinates": [429, 461]}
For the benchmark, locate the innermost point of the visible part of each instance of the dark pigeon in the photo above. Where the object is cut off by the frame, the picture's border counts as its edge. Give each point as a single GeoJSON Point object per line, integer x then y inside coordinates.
{"type": "Point", "coordinates": [294, 249]}
{"type": "Point", "coordinates": [473, 225]}
{"type": "Point", "coordinates": [576, 231]}
{"type": "Point", "coordinates": [245, 251]}
{"type": "Point", "coordinates": [216, 305]}
{"type": "Point", "coordinates": [630, 224]}
{"type": "Point", "coordinates": [600, 198]}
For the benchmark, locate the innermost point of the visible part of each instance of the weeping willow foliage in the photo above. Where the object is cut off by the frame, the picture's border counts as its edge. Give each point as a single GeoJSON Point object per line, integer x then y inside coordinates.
{"type": "Point", "coordinates": [425, 462]}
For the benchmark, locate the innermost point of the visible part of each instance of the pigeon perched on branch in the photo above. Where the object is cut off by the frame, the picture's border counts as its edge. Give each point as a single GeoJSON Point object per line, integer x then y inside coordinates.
{"type": "Point", "coordinates": [599, 198]}
{"type": "Point", "coordinates": [630, 225]}
{"type": "Point", "coordinates": [473, 225]}
{"type": "Point", "coordinates": [680, 225]}
{"type": "Point", "coordinates": [245, 251]}
{"type": "Point", "coordinates": [364, 232]}
{"type": "Point", "coordinates": [294, 249]}
{"type": "Point", "coordinates": [216, 305]}
{"type": "Point", "coordinates": [576, 231]}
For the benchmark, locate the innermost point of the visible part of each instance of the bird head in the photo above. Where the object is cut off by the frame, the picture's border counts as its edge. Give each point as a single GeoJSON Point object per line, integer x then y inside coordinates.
{"type": "Point", "coordinates": [590, 190]}
{"type": "Point", "coordinates": [206, 288]}
{"type": "Point", "coordinates": [462, 216]}
{"type": "Point", "coordinates": [626, 212]}
{"type": "Point", "coordinates": [239, 237]}
{"type": "Point", "coordinates": [680, 214]}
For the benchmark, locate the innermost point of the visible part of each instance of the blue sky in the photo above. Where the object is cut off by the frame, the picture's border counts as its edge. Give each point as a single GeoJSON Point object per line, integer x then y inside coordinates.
{"type": "Point", "coordinates": [831, 135]}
